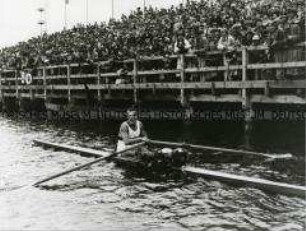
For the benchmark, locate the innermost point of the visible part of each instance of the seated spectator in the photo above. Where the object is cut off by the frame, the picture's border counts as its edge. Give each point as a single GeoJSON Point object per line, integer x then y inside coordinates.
{"type": "Point", "coordinates": [122, 75]}
{"type": "Point", "coordinates": [182, 45]}
{"type": "Point", "coordinates": [226, 42]}
{"type": "Point", "coordinates": [280, 37]}
{"type": "Point", "coordinates": [247, 37]}
{"type": "Point", "coordinates": [256, 39]}
{"type": "Point", "coordinates": [203, 43]}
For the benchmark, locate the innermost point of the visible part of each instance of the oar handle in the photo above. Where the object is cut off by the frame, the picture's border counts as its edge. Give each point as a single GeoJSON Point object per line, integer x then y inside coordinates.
{"type": "Point", "coordinates": [87, 164]}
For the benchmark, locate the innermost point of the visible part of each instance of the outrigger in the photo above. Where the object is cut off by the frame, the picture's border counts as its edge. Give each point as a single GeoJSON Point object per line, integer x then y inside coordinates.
{"type": "Point", "coordinates": [266, 185]}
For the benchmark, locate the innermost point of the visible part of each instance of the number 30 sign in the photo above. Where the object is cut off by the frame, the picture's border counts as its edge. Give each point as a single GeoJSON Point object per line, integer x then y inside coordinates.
{"type": "Point", "coordinates": [26, 78]}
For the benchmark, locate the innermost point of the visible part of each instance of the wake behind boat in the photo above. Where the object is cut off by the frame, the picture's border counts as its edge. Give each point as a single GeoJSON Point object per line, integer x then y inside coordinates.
{"type": "Point", "coordinates": [175, 160]}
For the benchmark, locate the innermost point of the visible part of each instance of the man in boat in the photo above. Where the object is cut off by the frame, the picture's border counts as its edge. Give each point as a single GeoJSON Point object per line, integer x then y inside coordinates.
{"type": "Point", "coordinates": [131, 131]}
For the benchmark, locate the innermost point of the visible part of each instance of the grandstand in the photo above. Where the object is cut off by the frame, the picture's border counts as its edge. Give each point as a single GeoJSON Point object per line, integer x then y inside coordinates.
{"type": "Point", "coordinates": [238, 51]}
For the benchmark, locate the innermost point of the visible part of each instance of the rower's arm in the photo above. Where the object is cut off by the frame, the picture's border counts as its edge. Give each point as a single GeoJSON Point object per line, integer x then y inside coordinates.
{"type": "Point", "coordinates": [143, 132]}
{"type": "Point", "coordinates": [129, 141]}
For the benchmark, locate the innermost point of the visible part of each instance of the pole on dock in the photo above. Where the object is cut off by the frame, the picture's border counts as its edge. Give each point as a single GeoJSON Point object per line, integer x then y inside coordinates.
{"type": "Point", "coordinates": [1, 93]}
{"type": "Point", "coordinates": [183, 99]}
{"type": "Point", "coordinates": [246, 101]}
{"type": "Point", "coordinates": [2, 78]}
{"type": "Point", "coordinates": [17, 95]}
{"type": "Point", "coordinates": [135, 74]}
{"type": "Point", "coordinates": [267, 89]}
{"type": "Point", "coordinates": [69, 83]}
{"type": "Point", "coordinates": [1, 96]}
{"type": "Point", "coordinates": [108, 85]}
{"type": "Point", "coordinates": [99, 83]}
{"type": "Point", "coordinates": [16, 85]}
{"type": "Point", "coordinates": [226, 64]}
{"type": "Point", "coordinates": [182, 91]}
{"type": "Point", "coordinates": [45, 82]}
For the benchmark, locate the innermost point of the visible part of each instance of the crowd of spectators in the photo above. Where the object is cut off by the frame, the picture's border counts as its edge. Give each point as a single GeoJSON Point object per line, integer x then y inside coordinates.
{"type": "Point", "coordinates": [205, 24]}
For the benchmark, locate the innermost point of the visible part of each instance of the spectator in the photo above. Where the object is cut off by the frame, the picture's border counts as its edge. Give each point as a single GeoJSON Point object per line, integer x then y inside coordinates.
{"type": "Point", "coordinates": [123, 75]}
{"type": "Point", "coordinates": [154, 31]}
{"type": "Point", "coordinates": [226, 42]}
{"type": "Point", "coordinates": [182, 45]}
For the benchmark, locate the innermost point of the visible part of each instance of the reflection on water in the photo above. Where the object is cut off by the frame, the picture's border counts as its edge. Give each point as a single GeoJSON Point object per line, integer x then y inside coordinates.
{"type": "Point", "coordinates": [105, 196]}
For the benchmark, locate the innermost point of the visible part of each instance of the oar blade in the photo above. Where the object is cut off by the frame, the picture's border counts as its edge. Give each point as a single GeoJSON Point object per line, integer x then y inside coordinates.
{"type": "Point", "coordinates": [276, 157]}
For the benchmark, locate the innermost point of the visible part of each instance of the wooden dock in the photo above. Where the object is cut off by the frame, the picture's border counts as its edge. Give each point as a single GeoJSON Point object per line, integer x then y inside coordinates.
{"type": "Point", "coordinates": [197, 80]}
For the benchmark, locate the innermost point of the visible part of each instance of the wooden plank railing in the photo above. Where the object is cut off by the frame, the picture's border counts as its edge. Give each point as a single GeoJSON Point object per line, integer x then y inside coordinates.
{"type": "Point", "coordinates": [105, 81]}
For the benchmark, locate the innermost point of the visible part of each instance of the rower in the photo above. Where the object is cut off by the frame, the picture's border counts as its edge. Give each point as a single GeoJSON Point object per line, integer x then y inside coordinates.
{"type": "Point", "coordinates": [131, 131]}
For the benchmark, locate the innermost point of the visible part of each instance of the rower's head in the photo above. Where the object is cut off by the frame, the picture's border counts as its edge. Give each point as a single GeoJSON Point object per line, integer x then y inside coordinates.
{"type": "Point", "coordinates": [132, 114]}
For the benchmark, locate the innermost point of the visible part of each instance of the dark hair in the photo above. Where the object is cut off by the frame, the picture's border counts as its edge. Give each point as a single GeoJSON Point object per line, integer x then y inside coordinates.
{"type": "Point", "coordinates": [131, 108]}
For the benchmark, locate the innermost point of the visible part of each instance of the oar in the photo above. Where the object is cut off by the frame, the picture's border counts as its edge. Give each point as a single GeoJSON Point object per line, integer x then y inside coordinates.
{"type": "Point", "coordinates": [87, 164]}
{"type": "Point", "coordinates": [235, 151]}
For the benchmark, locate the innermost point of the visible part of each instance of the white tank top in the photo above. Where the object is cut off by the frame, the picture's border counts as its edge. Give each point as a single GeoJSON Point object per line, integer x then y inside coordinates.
{"type": "Point", "coordinates": [134, 133]}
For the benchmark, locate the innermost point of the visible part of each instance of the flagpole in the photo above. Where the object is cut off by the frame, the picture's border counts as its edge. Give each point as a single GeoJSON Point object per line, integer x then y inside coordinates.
{"type": "Point", "coordinates": [112, 9]}
{"type": "Point", "coordinates": [87, 11]}
{"type": "Point", "coordinates": [65, 27]}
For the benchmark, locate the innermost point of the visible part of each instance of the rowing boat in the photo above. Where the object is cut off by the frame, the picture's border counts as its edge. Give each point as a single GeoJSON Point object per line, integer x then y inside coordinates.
{"type": "Point", "coordinates": [236, 180]}
{"type": "Point", "coordinates": [148, 162]}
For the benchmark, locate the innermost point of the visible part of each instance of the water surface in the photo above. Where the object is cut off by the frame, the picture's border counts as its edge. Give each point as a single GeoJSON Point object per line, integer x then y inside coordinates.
{"type": "Point", "coordinates": [107, 197]}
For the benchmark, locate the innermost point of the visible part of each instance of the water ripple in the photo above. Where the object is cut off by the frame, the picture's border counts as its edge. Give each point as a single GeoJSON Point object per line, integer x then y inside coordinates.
{"type": "Point", "coordinates": [113, 198]}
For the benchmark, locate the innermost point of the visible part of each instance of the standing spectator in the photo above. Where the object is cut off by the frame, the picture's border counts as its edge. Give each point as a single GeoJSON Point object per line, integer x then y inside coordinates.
{"type": "Point", "coordinates": [278, 48]}
{"type": "Point", "coordinates": [181, 47]}
{"type": "Point", "coordinates": [227, 45]}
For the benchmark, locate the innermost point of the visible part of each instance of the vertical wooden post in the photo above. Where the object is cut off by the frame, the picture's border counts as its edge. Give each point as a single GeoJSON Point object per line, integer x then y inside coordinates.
{"type": "Point", "coordinates": [246, 103]}
{"type": "Point", "coordinates": [32, 90]}
{"type": "Point", "coordinates": [256, 77]}
{"type": "Point", "coordinates": [226, 65]}
{"type": "Point", "coordinates": [18, 100]}
{"type": "Point", "coordinates": [267, 89]}
{"type": "Point", "coordinates": [244, 77]}
{"type": "Point", "coordinates": [183, 96]}
{"type": "Point", "coordinates": [257, 72]}
{"type": "Point", "coordinates": [45, 82]}
{"type": "Point", "coordinates": [98, 82]}
{"type": "Point", "coordinates": [16, 84]}
{"type": "Point", "coordinates": [245, 61]}
{"type": "Point", "coordinates": [202, 63]}
{"type": "Point", "coordinates": [107, 82]}
{"type": "Point", "coordinates": [144, 79]}
{"type": "Point", "coordinates": [69, 83]}
{"type": "Point", "coordinates": [213, 88]}
{"type": "Point", "coordinates": [1, 92]}
{"type": "Point", "coordinates": [135, 75]}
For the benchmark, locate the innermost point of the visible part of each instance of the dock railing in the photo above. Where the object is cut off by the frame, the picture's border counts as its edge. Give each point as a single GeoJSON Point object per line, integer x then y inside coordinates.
{"type": "Point", "coordinates": [205, 76]}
